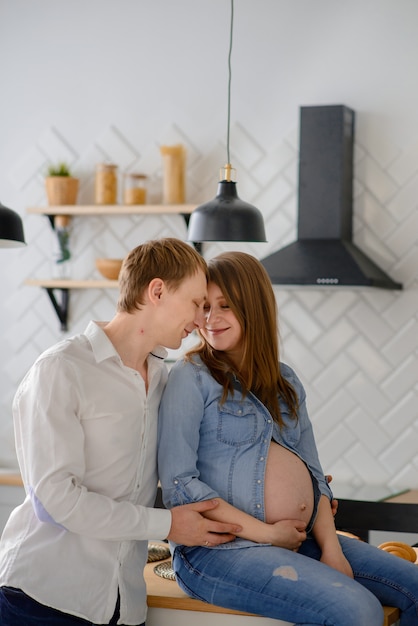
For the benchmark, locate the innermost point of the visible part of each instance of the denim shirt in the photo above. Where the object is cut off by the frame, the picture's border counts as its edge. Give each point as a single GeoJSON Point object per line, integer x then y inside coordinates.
{"type": "Point", "coordinates": [208, 449]}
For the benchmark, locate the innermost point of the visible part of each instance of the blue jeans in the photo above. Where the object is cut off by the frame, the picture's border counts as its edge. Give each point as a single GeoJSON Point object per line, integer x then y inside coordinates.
{"type": "Point", "coordinates": [297, 587]}
{"type": "Point", "coordinates": [18, 609]}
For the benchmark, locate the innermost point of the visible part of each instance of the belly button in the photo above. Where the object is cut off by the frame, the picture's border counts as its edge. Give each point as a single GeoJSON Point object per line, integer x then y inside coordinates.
{"type": "Point", "coordinates": [302, 507]}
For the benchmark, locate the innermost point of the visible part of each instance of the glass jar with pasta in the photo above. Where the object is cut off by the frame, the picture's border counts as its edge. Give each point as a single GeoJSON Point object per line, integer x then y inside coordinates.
{"type": "Point", "coordinates": [135, 188]}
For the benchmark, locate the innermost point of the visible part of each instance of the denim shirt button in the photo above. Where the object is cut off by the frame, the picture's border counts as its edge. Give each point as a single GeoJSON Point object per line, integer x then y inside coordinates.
{"type": "Point", "coordinates": [176, 482]}
{"type": "Point", "coordinates": [258, 506]}
{"type": "Point", "coordinates": [261, 458]}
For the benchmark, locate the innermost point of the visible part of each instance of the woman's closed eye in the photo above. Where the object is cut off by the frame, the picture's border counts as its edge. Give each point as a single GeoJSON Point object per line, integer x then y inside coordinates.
{"type": "Point", "coordinates": [207, 308]}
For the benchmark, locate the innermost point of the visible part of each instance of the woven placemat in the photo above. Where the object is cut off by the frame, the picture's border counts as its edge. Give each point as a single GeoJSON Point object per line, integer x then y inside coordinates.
{"type": "Point", "coordinates": [158, 552]}
{"type": "Point", "coordinates": [165, 570]}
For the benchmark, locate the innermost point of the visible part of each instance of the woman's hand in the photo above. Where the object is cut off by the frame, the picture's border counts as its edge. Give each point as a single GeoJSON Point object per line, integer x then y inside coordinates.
{"type": "Point", "coordinates": [327, 539]}
{"type": "Point", "coordinates": [334, 502]}
{"type": "Point", "coordinates": [288, 533]}
{"type": "Point", "coordinates": [336, 559]}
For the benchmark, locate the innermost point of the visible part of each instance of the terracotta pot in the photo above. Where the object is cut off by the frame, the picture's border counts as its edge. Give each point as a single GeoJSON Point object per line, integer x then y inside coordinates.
{"type": "Point", "coordinates": [61, 190]}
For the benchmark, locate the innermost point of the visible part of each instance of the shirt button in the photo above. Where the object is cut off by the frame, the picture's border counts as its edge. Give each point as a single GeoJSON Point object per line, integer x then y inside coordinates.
{"type": "Point", "coordinates": [258, 481]}
{"type": "Point", "coordinates": [258, 506]}
{"type": "Point", "coordinates": [261, 458]}
{"type": "Point", "coordinates": [176, 482]}
{"type": "Point", "coordinates": [268, 421]}
{"type": "Point", "coordinates": [240, 412]}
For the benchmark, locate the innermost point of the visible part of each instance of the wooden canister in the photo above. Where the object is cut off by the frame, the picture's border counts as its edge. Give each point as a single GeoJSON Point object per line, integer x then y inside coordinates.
{"type": "Point", "coordinates": [174, 158]}
{"type": "Point", "coordinates": [106, 184]}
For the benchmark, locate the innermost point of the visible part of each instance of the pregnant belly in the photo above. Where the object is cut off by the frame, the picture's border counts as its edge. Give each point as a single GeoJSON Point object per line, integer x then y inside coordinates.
{"type": "Point", "coordinates": [288, 491]}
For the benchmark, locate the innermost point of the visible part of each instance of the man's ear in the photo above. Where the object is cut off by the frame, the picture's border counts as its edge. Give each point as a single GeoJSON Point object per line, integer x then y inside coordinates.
{"type": "Point", "coordinates": [155, 289]}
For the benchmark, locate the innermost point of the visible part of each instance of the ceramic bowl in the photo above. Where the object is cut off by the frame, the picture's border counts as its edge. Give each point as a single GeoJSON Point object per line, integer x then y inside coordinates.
{"type": "Point", "coordinates": [109, 268]}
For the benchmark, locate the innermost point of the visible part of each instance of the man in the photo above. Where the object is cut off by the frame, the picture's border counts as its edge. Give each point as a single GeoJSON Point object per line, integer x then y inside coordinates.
{"type": "Point", "coordinates": [86, 429]}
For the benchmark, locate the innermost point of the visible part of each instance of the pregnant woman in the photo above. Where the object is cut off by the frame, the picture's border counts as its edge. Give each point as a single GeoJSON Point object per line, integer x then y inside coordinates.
{"type": "Point", "coordinates": [234, 426]}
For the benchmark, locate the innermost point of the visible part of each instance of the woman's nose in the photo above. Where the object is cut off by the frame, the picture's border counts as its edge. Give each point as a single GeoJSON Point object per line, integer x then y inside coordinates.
{"type": "Point", "coordinates": [210, 314]}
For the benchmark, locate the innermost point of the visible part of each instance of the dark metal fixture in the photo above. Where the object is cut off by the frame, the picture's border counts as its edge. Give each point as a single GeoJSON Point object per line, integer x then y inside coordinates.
{"type": "Point", "coordinates": [324, 253]}
{"type": "Point", "coordinates": [227, 217]}
{"type": "Point", "coordinates": [11, 229]}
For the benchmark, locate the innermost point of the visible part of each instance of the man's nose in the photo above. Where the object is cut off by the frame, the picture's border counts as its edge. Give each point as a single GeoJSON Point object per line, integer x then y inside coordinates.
{"type": "Point", "coordinates": [200, 318]}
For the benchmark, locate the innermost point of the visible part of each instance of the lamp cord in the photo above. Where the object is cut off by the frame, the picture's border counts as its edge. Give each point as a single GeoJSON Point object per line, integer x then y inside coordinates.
{"type": "Point", "coordinates": [229, 81]}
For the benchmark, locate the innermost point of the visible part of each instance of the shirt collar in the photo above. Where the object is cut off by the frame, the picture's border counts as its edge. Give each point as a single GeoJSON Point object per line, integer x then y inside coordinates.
{"type": "Point", "coordinates": [159, 352]}
{"type": "Point", "coordinates": [103, 348]}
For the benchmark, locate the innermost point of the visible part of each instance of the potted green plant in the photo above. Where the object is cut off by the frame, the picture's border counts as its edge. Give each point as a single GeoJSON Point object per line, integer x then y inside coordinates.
{"type": "Point", "coordinates": [61, 189]}
{"type": "Point", "coordinates": [61, 186]}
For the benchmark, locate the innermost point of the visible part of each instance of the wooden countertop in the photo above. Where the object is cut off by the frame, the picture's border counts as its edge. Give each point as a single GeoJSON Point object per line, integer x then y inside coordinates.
{"type": "Point", "coordinates": [407, 497]}
{"type": "Point", "coordinates": [12, 478]}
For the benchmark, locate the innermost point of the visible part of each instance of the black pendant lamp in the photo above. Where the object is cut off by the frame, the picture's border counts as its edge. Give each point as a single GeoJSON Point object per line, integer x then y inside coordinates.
{"type": "Point", "coordinates": [11, 229]}
{"type": "Point", "coordinates": [227, 217]}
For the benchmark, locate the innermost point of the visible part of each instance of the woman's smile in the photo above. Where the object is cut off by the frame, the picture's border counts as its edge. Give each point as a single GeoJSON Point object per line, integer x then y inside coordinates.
{"type": "Point", "coordinates": [216, 331]}
{"type": "Point", "coordinates": [222, 330]}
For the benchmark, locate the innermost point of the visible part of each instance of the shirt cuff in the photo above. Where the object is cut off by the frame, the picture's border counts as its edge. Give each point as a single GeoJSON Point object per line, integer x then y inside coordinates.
{"type": "Point", "coordinates": [160, 522]}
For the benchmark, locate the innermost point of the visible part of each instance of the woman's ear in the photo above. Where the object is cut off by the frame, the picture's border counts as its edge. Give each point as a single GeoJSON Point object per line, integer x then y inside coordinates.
{"type": "Point", "coordinates": [155, 289]}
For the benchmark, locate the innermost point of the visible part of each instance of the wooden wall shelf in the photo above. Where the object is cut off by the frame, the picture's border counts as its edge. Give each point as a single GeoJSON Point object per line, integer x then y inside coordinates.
{"type": "Point", "coordinates": [78, 210]}
{"type": "Point", "coordinates": [114, 209]}
{"type": "Point", "coordinates": [58, 283]}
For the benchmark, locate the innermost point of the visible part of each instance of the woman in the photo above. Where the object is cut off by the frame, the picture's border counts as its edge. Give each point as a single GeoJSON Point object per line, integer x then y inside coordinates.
{"type": "Point", "coordinates": [234, 426]}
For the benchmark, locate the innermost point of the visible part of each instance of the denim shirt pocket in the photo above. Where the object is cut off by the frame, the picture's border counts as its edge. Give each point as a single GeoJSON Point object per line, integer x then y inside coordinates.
{"type": "Point", "coordinates": [237, 423]}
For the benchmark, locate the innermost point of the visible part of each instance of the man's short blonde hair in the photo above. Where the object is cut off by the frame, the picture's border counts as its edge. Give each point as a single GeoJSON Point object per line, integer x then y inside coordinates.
{"type": "Point", "coordinates": [168, 258]}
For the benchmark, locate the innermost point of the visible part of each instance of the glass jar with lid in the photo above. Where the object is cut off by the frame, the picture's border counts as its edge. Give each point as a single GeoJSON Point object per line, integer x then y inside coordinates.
{"type": "Point", "coordinates": [135, 188]}
{"type": "Point", "coordinates": [106, 185]}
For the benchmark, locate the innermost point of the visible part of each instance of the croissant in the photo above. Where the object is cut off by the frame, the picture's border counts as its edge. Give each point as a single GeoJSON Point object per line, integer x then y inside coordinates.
{"type": "Point", "coordinates": [398, 548]}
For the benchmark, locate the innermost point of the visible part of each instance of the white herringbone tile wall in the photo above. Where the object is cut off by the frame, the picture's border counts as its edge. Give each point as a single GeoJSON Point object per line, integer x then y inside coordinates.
{"type": "Point", "coordinates": [162, 81]}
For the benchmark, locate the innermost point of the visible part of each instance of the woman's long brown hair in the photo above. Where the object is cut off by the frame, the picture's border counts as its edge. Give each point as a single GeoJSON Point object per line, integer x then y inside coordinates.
{"type": "Point", "coordinates": [247, 289]}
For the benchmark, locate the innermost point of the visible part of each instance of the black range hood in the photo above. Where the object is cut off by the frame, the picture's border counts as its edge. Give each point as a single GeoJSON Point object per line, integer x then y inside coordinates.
{"type": "Point", "coordinates": [324, 253]}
